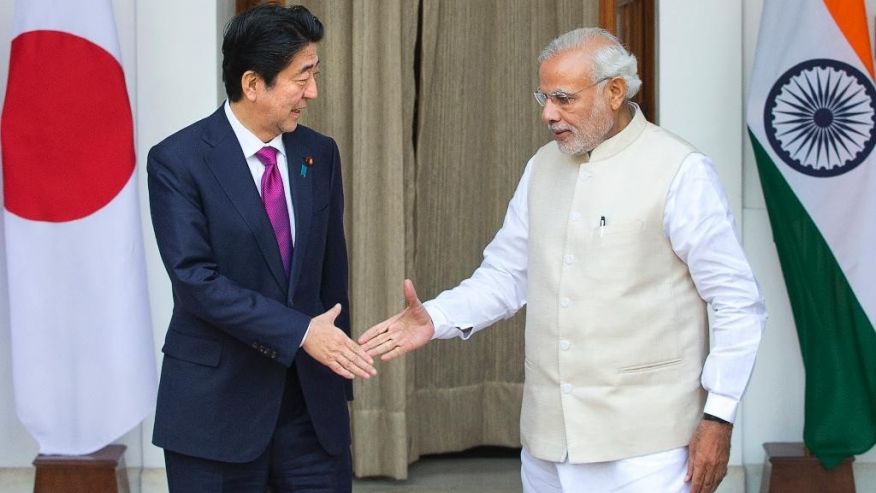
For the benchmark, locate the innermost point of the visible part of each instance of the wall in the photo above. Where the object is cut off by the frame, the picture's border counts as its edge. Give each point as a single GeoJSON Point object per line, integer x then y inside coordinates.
{"type": "Point", "coordinates": [706, 51]}
{"type": "Point", "coordinates": [699, 96]}
{"type": "Point", "coordinates": [706, 48]}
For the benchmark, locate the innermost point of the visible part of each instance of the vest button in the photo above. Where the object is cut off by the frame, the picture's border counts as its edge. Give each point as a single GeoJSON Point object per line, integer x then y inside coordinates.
{"type": "Point", "coordinates": [575, 216]}
{"type": "Point", "coordinates": [569, 259]}
{"type": "Point", "coordinates": [567, 388]}
{"type": "Point", "coordinates": [564, 302]}
{"type": "Point", "coordinates": [565, 345]}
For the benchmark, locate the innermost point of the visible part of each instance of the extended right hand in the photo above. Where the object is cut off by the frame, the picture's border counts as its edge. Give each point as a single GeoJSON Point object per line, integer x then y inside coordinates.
{"type": "Point", "coordinates": [406, 331]}
{"type": "Point", "coordinates": [330, 346]}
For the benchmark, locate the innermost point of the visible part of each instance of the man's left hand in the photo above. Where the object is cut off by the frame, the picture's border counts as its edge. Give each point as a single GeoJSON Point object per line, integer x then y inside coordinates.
{"type": "Point", "coordinates": [708, 454]}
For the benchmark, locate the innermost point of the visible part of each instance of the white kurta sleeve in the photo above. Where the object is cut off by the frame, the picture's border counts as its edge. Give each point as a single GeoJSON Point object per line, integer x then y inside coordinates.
{"type": "Point", "coordinates": [699, 224]}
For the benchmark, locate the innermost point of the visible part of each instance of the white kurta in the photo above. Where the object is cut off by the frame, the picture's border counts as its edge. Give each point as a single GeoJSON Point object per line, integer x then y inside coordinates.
{"type": "Point", "coordinates": [699, 225]}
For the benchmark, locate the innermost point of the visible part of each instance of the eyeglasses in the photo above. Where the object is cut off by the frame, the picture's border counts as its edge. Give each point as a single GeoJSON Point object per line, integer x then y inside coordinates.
{"type": "Point", "coordinates": [562, 98]}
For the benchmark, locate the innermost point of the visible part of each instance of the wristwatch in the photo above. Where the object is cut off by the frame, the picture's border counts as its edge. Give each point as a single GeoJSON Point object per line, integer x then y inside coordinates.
{"type": "Point", "coordinates": [711, 417]}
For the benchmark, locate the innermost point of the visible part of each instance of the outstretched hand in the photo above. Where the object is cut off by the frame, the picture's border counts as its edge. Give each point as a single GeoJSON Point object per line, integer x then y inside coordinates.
{"type": "Point", "coordinates": [404, 332]}
{"type": "Point", "coordinates": [330, 346]}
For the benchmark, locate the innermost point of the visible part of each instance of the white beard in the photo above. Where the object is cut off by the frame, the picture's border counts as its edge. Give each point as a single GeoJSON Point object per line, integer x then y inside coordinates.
{"type": "Point", "coordinates": [592, 132]}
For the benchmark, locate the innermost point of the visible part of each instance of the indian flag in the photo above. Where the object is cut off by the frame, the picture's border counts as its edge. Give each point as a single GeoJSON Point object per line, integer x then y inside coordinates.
{"type": "Point", "coordinates": [812, 121]}
{"type": "Point", "coordinates": [82, 352]}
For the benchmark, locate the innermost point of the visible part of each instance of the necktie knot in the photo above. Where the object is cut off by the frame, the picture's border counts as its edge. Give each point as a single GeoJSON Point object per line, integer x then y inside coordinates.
{"type": "Point", "coordinates": [268, 156]}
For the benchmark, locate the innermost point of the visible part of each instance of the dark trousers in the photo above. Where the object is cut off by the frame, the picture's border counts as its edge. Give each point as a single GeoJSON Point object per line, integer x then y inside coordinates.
{"type": "Point", "coordinates": [293, 462]}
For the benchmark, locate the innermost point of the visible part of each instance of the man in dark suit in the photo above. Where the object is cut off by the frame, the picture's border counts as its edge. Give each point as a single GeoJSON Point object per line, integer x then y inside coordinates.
{"type": "Point", "coordinates": [247, 207]}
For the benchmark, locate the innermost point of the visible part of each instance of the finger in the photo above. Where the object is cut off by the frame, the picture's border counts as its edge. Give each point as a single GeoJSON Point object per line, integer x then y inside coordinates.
{"type": "Point", "coordinates": [375, 341]}
{"type": "Point", "coordinates": [360, 371]}
{"type": "Point", "coordinates": [380, 349]}
{"type": "Point", "coordinates": [377, 329]}
{"type": "Point", "coordinates": [362, 361]}
{"type": "Point", "coordinates": [333, 312]}
{"type": "Point", "coordinates": [696, 484]}
{"type": "Point", "coordinates": [393, 354]}
{"type": "Point", "coordinates": [359, 352]}
{"type": "Point", "coordinates": [410, 293]}
{"type": "Point", "coordinates": [382, 346]}
{"type": "Point", "coordinates": [714, 479]}
{"type": "Point", "coordinates": [708, 480]}
{"type": "Point", "coordinates": [349, 362]}
{"type": "Point", "coordinates": [690, 467]}
{"type": "Point", "coordinates": [340, 370]}
{"type": "Point", "coordinates": [709, 485]}
{"type": "Point", "coordinates": [370, 333]}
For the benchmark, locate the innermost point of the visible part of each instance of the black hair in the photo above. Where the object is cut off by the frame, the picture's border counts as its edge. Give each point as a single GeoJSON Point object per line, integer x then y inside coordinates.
{"type": "Point", "coordinates": [264, 39]}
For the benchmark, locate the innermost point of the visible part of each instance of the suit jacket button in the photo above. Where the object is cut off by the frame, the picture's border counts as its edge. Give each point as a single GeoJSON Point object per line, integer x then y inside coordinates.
{"type": "Point", "coordinates": [273, 355]}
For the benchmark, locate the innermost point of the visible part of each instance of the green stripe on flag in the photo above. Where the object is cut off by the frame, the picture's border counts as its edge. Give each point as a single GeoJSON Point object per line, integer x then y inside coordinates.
{"type": "Point", "coordinates": [837, 340]}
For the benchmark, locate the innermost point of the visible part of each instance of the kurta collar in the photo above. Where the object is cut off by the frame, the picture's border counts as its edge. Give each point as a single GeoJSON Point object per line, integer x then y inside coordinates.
{"type": "Point", "coordinates": [622, 139]}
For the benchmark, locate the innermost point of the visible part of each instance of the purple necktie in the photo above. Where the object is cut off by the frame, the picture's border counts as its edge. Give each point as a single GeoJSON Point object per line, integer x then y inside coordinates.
{"type": "Point", "coordinates": [275, 203]}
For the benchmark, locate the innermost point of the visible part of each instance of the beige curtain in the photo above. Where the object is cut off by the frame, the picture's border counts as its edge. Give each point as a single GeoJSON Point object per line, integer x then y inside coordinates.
{"type": "Point", "coordinates": [366, 102]}
{"type": "Point", "coordinates": [425, 205]}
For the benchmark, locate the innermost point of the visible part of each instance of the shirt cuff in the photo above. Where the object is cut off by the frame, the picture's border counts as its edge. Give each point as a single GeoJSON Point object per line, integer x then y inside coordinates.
{"type": "Point", "coordinates": [444, 329]}
{"type": "Point", "coordinates": [721, 406]}
{"type": "Point", "coordinates": [305, 335]}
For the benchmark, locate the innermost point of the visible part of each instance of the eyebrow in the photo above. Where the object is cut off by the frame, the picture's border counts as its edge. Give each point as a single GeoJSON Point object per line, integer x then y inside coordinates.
{"type": "Point", "coordinates": [308, 67]}
{"type": "Point", "coordinates": [564, 92]}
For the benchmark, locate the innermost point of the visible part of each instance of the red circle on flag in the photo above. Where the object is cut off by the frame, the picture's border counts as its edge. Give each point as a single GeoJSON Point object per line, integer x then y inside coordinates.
{"type": "Point", "coordinates": [68, 136]}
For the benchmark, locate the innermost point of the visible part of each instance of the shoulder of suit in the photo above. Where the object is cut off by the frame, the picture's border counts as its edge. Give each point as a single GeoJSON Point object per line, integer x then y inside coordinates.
{"type": "Point", "coordinates": [186, 135]}
{"type": "Point", "coordinates": [311, 136]}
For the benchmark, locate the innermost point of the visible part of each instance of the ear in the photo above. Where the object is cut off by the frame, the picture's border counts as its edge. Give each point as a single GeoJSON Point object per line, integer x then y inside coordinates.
{"type": "Point", "coordinates": [617, 92]}
{"type": "Point", "coordinates": [249, 84]}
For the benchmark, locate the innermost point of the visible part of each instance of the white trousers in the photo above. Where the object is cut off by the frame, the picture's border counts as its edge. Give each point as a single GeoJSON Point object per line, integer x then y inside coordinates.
{"type": "Point", "coordinates": [662, 472]}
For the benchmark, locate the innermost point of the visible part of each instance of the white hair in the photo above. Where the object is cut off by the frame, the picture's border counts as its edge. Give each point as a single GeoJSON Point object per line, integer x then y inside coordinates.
{"type": "Point", "coordinates": [611, 60]}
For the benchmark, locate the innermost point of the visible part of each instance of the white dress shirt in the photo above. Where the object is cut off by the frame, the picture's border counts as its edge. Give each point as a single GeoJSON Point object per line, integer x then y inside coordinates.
{"type": "Point", "coordinates": [699, 225]}
{"type": "Point", "coordinates": [250, 144]}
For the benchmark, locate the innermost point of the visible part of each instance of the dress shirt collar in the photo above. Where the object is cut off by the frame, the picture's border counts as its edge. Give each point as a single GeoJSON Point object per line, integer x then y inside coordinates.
{"type": "Point", "coordinates": [249, 143]}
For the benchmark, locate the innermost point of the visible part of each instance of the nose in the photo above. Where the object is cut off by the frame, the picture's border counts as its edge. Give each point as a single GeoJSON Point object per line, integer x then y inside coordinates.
{"type": "Point", "coordinates": [550, 113]}
{"type": "Point", "coordinates": [311, 91]}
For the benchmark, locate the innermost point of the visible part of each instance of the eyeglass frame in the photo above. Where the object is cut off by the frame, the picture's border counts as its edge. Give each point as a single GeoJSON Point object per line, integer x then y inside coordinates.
{"type": "Point", "coordinates": [562, 98]}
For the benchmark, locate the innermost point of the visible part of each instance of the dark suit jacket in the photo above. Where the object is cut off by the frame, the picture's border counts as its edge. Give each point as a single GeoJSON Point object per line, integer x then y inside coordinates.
{"type": "Point", "coordinates": [237, 321]}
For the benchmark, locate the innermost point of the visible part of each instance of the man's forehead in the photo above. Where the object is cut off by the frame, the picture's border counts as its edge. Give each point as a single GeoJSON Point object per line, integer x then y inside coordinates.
{"type": "Point", "coordinates": [566, 68]}
{"type": "Point", "coordinates": [305, 60]}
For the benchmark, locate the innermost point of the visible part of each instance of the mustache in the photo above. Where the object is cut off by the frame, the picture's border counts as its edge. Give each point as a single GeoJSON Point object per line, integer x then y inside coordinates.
{"type": "Point", "coordinates": [556, 127]}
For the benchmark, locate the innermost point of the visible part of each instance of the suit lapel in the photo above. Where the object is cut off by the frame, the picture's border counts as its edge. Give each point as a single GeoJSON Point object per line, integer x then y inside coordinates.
{"type": "Point", "coordinates": [228, 164]}
{"type": "Point", "coordinates": [302, 202]}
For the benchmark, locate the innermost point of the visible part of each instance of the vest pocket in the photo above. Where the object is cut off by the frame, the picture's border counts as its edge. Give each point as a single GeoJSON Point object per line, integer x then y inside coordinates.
{"type": "Point", "coordinates": [622, 231]}
{"type": "Point", "coordinates": [646, 367]}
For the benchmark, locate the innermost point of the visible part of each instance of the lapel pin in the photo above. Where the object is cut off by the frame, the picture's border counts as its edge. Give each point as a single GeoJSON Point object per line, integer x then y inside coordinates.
{"type": "Point", "coordinates": [306, 164]}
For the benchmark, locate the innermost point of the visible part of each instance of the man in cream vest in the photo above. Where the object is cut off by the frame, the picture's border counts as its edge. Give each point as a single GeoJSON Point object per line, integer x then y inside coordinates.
{"type": "Point", "coordinates": [617, 237]}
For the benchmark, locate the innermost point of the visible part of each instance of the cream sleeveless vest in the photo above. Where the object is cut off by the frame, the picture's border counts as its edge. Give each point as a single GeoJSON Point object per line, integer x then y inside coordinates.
{"type": "Point", "coordinates": [616, 333]}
